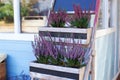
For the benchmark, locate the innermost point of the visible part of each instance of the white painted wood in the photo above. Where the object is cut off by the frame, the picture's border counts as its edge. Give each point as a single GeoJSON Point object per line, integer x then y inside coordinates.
{"type": "Point", "coordinates": [83, 72]}
{"type": "Point", "coordinates": [80, 71]}
{"type": "Point", "coordinates": [30, 37]}
{"type": "Point", "coordinates": [114, 24]}
{"type": "Point", "coordinates": [103, 32]}
{"type": "Point", "coordinates": [82, 41]}
{"type": "Point", "coordinates": [17, 37]}
{"type": "Point", "coordinates": [88, 31]}
{"type": "Point", "coordinates": [41, 21]}
{"type": "Point", "coordinates": [17, 27]}
{"type": "Point", "coordinates": [105, 13]}
{"type": "Point", "coordinates": [113, 13]}
{"type": "Point", "coordinates": [55, 68]}
{"type": "Point", "coordinates": [92, 20]}
{"type": "Point", "coordinates": [66, 30]}
{"type": "Point", "coordinates": [88, 68]}
{"type": "Point", "coordinates": [46, 77]}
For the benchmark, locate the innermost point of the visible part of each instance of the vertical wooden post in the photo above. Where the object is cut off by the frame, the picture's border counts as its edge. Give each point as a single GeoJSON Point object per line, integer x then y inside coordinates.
{"type": "Point", "coordinates": [17, 27]}
{"type": "Point", "coordinates": [93, 66]}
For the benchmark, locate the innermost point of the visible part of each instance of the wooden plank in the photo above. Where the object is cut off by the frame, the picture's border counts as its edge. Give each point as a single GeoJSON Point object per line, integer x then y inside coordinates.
{"type": "Point", "coordinates": [66, 30]}
{"type": "Point", "coordinates": [93, 66]}
{"type": "Point", "coordinates": [88, 69]}
{"type": "Point", "coordinates": [55, 68]}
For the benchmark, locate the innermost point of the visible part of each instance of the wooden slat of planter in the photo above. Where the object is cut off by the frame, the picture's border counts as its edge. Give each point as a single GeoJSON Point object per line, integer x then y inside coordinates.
{"type": "Point", "coordinates": [75, 31]}
{"type": "Point", "coordinates": [56, 68]}
{"type": "Point", "coordinates": [34, 21]}
{"type": "Point", "coordinates": [88, 69]}
{"type": "Point", "coordinates": [67, 30]}
{"type": "Point", "coordinates": [46, 77]}
{"type": "Point", "coordinates": [82, 73]}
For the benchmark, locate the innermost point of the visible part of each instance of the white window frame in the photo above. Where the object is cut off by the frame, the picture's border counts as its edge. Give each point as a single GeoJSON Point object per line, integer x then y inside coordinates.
{"type": "Point", "coordinates": [17, 35]}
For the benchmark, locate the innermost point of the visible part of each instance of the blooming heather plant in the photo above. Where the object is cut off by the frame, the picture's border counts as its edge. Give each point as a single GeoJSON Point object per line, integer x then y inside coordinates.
{"type": "Point", "coordinates": [73, 53]}
{"type": "Point", "coordinates": [45, 50]}
{"type": "Point", "coordinates": [63, 52]}
{"type": "Point", "coordinates": [57, 19]}
{"type": "Point", "coordinates": [81, 18]}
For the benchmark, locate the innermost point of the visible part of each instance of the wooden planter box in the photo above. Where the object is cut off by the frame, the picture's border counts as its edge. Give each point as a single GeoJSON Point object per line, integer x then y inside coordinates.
{"type": "Point", "coordinates": [33, 21]}
{"type": "Point", "coordinates": [3, 71]}
{"type": "Point", "coordinates": [52, 72]}
{"type": "Point", "coordinates": [83, 35]}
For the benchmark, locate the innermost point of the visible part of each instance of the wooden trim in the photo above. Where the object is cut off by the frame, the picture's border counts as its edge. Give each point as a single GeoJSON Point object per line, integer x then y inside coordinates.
{"type": "Point", "coordinates": [66, 30]}
{"type": "Point", "coordinates": [104, 32]}
{"type": "Point", "coordinates": [30, 37]}
{"type": "Point", "coordinates": [52, 70]}
{"type": "Point", "coordinates": [56, 68]}
{"type": "Point", "coordinates": [17, 37]}
{"type": "Point", "coordinates": [105, 13]}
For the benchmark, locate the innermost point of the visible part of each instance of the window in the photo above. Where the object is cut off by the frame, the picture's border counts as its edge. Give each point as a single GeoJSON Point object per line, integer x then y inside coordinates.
{"type": "Point", "coordinates": [24, 13]}
{"type": "Point", "coordinates": [105, 14]}
{"type": "Point", "coordinates": [31, 15]}
{"type": "Point", "coordinates": [109, 12]}
{"type": "Point", "coordinates": [6, 16]}
{"type": "Point", "coordinates": [100, 17]}
{"type": "Point", "coordinates": [34, 14]}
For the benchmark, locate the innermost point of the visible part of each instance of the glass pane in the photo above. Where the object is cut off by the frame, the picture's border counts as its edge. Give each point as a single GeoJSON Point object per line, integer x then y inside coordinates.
{"type": "Point", "coordinates": [109, 12]}
{"type": "Point", "coordinates": [100, 17]}
{"type": "Point", "coordinates": [34, 14]}
{"type": "Point", "coordinates": [6, 16]}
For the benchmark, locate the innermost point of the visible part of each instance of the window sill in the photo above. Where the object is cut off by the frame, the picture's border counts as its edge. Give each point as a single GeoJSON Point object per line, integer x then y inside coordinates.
{"type": "Point", "coordinates": [104, 32]}
{"type": "Point", "coordinates": [30, 37]}
{"type": "Point", "coordinates": [19, 37]}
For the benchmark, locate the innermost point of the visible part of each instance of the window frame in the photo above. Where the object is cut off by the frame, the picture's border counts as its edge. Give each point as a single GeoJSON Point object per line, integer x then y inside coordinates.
{"type": "Point", "coordinates": [18, 35]}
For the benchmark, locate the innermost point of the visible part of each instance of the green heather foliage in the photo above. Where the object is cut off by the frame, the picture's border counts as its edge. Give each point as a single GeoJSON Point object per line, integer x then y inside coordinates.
{"type": "Point", "coordinates": [80, 23]}
{"type": "Point", "coordinates": [81, 18]}
{"type": "Point", "coordinates": [63, 53]}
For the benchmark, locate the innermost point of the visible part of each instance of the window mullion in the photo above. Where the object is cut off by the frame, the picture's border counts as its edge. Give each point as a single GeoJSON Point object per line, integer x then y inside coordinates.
{"type": "Point", "coordinates": [16, 5]}
{"type": "Point", "coordinates": [114, 13]}
{"type": "Point", "coordinates": [105, 15]}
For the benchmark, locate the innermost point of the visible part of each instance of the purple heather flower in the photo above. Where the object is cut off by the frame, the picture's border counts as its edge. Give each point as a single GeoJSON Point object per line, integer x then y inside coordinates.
{"type": "Point", "coordinates": [57, 18]}
{"type": "Point", "coordinates": [64, 49]}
